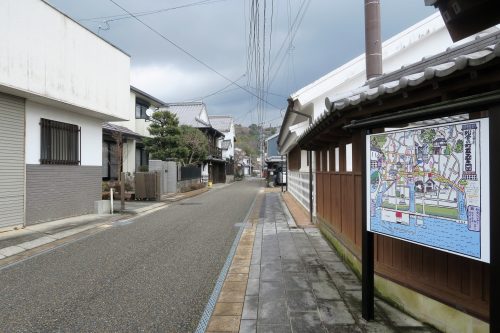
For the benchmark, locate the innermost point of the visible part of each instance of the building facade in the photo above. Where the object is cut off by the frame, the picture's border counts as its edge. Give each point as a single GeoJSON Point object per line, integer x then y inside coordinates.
{"type": "Point", "coordinates": [53, 99]}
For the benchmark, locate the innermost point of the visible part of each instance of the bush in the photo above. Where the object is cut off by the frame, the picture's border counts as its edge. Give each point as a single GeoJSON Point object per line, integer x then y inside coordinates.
{"type": "Point", "coordinates": [105, 186]}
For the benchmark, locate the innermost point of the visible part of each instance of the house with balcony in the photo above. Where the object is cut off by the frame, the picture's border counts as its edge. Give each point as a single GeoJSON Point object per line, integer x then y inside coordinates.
{"type": "Point", "coordinates": [131, 132]}
{"type": "Point", "coordinates": [195, 114]}
{"type": "Point", "coordinates": [57, 86]}
{"type": "Point", "coordinates": [225, 125]}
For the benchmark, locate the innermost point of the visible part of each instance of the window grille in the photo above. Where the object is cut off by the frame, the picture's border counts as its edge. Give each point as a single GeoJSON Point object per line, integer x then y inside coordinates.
{"type": "Point", "coordinates": [60, 143]}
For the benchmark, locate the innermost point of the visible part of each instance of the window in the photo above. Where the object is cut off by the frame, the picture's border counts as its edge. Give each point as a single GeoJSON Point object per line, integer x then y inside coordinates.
{"type": "Point", "coordinates": [60, 143]}
{"type": "Point", "coordinates": [328, 160]}
{"type": "Point", "coordinates": [140, 109]}
{"type": "Point", "coordinates": [321, 161]}
{"type": "Point", "coordinates": [348, 157]}
{"type": "Point", "coordinates": [337, 161]}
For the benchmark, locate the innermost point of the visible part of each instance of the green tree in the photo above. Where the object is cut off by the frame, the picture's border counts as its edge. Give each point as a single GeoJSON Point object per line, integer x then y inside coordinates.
{"type": "Point", "coordinates": [428, 135]}
{"type": "Point", "coordinates": [459, 146]}
{"type": "Point", "coordinates": [447, 150]}
{"type": "Point", "coordinates": [166, 137]}
{"type": "Point", "coordinates": [195, 143]}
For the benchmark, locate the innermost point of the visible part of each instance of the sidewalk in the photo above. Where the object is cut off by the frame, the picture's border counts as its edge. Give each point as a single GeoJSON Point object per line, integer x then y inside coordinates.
{"type": "Point", "coordinates": [16, 244]}
{"type": "Point", "coordinates": [287, 279]}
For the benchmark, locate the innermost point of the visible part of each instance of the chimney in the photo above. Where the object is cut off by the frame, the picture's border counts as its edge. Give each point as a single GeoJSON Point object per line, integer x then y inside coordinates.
{"type": "Point", "coordinates": [373, 43]}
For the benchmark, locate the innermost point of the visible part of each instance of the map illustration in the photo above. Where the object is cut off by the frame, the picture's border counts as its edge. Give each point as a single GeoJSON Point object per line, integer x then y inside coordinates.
{"type": "Point", "coordinates": [425, 186]}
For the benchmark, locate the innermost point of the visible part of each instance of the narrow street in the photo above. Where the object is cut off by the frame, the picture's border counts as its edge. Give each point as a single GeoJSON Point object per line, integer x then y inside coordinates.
{"type": "Point", "coordinates": [153, 273]}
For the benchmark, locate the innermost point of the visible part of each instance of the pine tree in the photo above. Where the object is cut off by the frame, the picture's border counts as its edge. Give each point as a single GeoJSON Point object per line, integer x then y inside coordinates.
{"type": "Point", "coordinates": [166, 137]}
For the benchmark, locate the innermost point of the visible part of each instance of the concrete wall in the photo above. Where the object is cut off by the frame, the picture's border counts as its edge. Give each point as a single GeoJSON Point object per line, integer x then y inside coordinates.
{"type": "Point", "coordinates": [58, 191]}
{"type": "Point", "coordinates": [91, 132]}
{"type": "Point", "coordinates": [47, 55]}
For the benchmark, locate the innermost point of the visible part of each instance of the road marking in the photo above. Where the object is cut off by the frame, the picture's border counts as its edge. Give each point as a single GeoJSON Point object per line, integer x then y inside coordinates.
{"type": "Point", "coordinates": [209, 308]}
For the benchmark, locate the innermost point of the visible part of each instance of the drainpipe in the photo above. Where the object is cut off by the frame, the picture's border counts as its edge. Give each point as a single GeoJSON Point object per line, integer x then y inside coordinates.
{"type": "Point", "coordinates": [373, 43]}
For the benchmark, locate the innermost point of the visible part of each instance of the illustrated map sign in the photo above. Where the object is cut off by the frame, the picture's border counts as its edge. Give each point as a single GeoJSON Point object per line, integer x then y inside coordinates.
{"type": "Point", "coordinates": [430, 186]}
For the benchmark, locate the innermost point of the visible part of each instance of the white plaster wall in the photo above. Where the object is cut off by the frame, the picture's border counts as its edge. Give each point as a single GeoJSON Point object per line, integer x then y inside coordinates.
{"type": "Point", "coordinates": [129, 156]}
{"type": "Point", "coordinates": [91, 132]}
{"type": "Point", "coordinates": [47, 54]}
{"type": "Point", "coordinates": [425, 38]}
{"type": "Point", "coordinates": [140, 126]}
{"type": "Point", "coordinates": [229, 136]}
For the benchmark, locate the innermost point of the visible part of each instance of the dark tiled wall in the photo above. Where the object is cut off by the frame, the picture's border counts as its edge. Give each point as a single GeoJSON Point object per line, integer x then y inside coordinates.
{"type": "Point", "coordinates": [58, 191]}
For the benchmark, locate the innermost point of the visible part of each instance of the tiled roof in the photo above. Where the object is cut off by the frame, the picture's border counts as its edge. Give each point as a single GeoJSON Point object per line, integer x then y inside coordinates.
{"type": "Point", "coordinates": [189, 113]}
{"type": "Point", "coordinates": [115, 128]}
{"type": "Point", "coordinates": [461, 62]}
{"type": "Point", "coordinates": [221, 123]}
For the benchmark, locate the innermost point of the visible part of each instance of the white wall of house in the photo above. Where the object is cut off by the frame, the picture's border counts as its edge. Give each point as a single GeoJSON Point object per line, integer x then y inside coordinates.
{"type": "Point", "coordinates": [140, 126]}
{"type": "Point", "coordinates": [63, 62]}
{"type": "Point", "coordinates": [425, 38]}
{"type": "Point", "coordinates": [229, 136]}
{"type": "Point", "coordinates": [129, 156]}
{"type": "Point", "coordinates": [91, 132]}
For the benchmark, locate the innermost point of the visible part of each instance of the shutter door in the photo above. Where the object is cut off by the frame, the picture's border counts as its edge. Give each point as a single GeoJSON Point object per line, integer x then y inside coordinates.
{"type": "Point", "coordinates": [11, 160]}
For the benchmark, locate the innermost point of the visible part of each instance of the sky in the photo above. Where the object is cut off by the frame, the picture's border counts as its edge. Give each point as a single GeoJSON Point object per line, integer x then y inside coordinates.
{"type": "Point", "coordinates": [187, 50]}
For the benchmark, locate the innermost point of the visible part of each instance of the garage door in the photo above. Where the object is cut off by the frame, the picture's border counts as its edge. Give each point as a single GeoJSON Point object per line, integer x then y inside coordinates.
{"type": "Point", "coordinates": [11, 160]}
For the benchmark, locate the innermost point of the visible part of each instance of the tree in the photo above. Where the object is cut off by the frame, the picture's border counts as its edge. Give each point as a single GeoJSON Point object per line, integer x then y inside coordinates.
{"type": "Point", "coordinates": [166, 137]}
{"type": "Point", "coordinates": [195, 144]}
{"type": "Point", "coordinates": [459, 146]}
{"type": "Point", "coordinates": [428, 135]}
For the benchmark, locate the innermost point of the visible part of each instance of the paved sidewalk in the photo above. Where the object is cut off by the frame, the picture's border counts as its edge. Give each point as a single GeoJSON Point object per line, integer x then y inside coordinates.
{"type": "Point", "coordinates": [18, 243]}
{"type": "Point", "coordinates": [286, 279]}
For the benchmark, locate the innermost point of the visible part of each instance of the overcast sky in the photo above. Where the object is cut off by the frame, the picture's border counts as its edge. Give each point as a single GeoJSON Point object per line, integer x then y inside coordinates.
{"type": "Point", "coordinates": [216, 33]}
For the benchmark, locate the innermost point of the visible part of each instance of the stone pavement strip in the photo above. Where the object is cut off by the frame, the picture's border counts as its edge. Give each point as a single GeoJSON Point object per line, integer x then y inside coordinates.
{"type": "Point", "coordinates": [286, 279]}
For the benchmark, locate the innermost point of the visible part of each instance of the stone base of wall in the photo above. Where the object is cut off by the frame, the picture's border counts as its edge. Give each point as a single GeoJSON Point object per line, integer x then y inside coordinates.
{"type": "Point", "coordinates": [187, 183]}
{"type": "Point", "coordinates": [428, 310]}
{"type": "Point", "coordinates": [229, 178]}
{"type": "Point", "coordinates": [59, 191]}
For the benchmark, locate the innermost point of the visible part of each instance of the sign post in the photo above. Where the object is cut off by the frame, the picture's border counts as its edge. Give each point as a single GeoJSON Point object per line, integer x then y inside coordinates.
{"type": "Point", "coordinates": [495, 225]}
{"type": "Point", "coordinates": [367, 259]}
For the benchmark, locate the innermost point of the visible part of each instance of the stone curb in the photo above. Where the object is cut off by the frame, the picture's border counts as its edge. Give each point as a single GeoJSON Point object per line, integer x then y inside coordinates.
{"type": "Point", "coordinates": [12, 250]}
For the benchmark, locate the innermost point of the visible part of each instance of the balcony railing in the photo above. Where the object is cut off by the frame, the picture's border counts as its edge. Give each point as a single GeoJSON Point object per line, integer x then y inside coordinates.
{"type": "Point", "coordinates": [215, 152]}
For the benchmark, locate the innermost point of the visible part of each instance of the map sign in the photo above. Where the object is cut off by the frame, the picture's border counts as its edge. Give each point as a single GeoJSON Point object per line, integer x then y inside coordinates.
{"type": "Point", "coordinates": [430, 186]}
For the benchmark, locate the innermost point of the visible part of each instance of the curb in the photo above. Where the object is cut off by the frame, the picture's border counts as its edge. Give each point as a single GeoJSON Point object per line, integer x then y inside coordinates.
{"type": "Point", "coordinates": [128, 216]}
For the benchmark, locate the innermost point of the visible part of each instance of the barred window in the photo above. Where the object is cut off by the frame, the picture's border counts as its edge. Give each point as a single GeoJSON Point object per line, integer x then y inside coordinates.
{"type": "Point", "coordinates": [60, 143]}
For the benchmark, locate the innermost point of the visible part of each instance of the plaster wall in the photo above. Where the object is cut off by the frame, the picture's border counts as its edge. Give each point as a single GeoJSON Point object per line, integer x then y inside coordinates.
{"type": "Point", "coordinates": [63, 62]}
{"type": "Point", "coordinates": [91, 132]}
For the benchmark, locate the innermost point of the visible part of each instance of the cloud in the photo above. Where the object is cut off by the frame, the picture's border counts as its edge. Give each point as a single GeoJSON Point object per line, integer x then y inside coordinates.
{"type": "Point", "coordinates": [331, 33]}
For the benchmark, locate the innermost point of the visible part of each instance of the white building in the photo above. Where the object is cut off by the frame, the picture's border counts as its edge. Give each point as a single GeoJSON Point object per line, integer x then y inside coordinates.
{"type": "Point", "coordinates": [307, 104]}
{"type": "Point", "coordinates": [225, 125]}
{"type": "Point", "coordinates": [195, 114]}
{"type": "Point", "coordinates": [58, 83]}
{"type": "Point", "coordinates": [141, 104]}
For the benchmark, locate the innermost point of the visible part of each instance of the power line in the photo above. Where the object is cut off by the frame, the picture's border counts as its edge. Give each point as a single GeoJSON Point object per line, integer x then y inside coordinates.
{"type": "Point", "coordinates": [112, 18]}
{"type": "Point", "coordinates": [220, 90]}
{"type": "Point", "coordinates": [180, 48]}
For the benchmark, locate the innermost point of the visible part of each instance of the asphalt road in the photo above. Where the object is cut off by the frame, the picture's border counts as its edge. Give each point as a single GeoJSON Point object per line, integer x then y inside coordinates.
{"type": "Point", "coordinates": [155, 274]}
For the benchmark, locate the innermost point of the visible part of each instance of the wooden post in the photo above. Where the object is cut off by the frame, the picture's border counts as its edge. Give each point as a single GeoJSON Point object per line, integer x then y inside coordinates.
{"type": "Point", "coordinates": [367, 259]}
{"type": "Point", "coordinates": [311, 205]}
{"type": "Point", "coordinates": [494, 125]}
{"type": "Point", "coordinates": [122, 191]}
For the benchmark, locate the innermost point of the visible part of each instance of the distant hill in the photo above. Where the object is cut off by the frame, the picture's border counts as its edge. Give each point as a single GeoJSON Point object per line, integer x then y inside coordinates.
{"type": "Point", "coordinates": [247, 138]}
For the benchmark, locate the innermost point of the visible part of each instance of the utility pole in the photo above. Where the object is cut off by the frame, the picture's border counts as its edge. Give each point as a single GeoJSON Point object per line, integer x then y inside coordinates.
{"type": "Point", "coordinates": [373, 45]}
{"type": "Point", "coordinates": [373, 39]}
